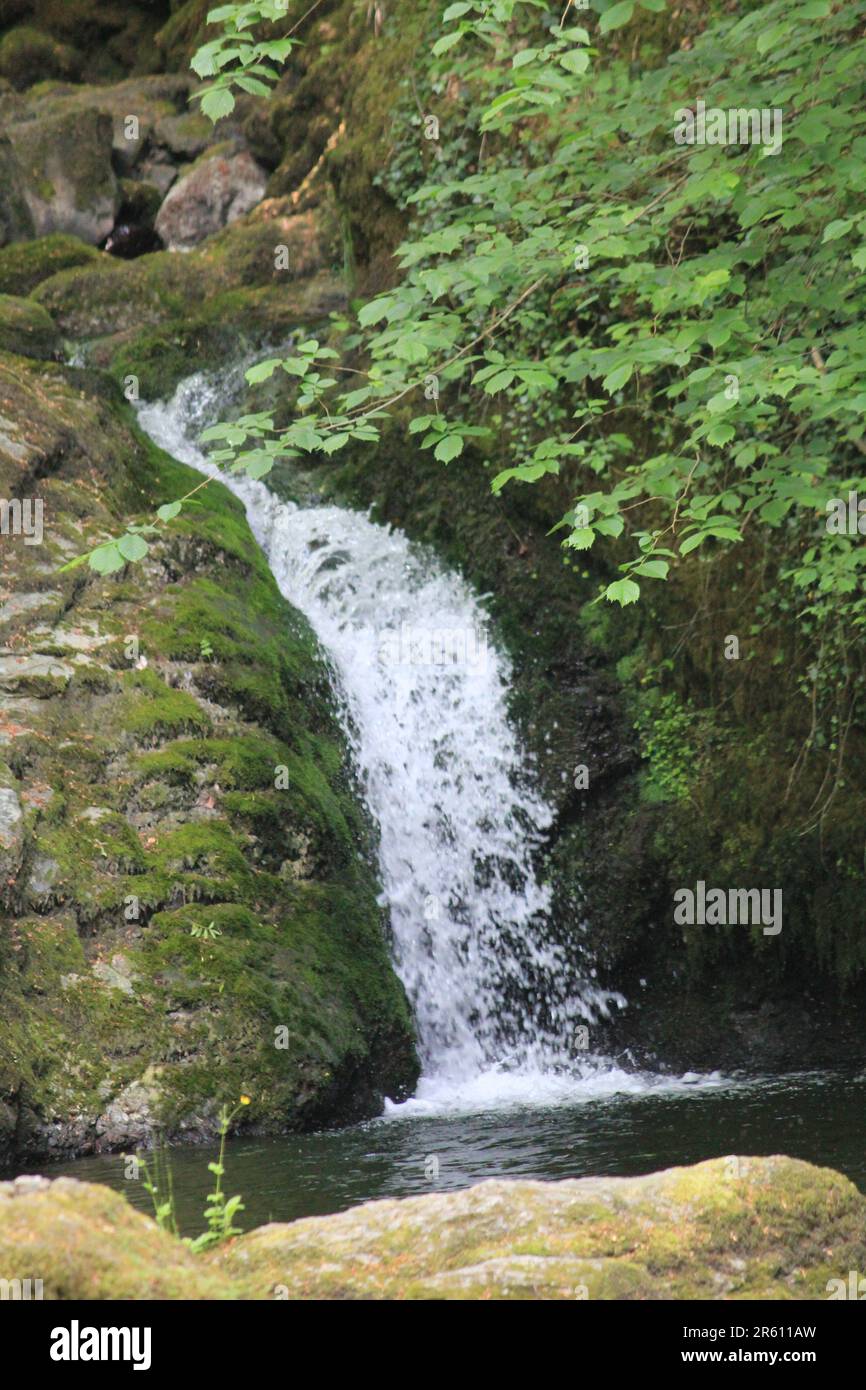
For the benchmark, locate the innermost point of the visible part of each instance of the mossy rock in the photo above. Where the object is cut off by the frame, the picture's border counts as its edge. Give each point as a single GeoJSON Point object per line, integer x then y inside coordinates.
{"type": "Point", "coordinates": [68, 179]}
{"type": "Point", "coordinates": [112, 37]}
{"type": "Point", "coordinates": [27, 329]}
{"type": "Point", "coordinates": [163, 316]}
{"type": "Point", "coordinates": [16, 221]}
{"type": "Point", "coordinates": [26, 264]}
{"type": "Point", "coordinates": [152, 811]}
{"type": "Point", "coordinates": [95, 1245]}
{"type": "Point", "coordinates": [27, 55]}
{"type": "Point", "coordinates": [771, 1229]}
{"type": "Point", "coordinates": [763, 1228]}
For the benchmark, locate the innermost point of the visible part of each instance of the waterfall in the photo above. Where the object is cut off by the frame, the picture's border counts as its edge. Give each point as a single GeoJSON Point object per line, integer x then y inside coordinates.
{"type": "Point", "coordinates": [501, 1012]}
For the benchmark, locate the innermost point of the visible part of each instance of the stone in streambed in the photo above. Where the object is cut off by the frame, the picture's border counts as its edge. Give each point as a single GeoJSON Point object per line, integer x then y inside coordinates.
{"type": "Point", "coordinates": [218, 190]}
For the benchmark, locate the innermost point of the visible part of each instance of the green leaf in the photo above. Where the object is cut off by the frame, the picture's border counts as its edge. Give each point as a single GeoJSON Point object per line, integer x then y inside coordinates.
{"type": "Point", "coordinates": [692, 542]}
{"type": "Point", "coordinates": [834, 230]}
{"type": "Point", "coordinates": [168, 511]}
{"type": "Point", "coordinates": [335, 442]}
{"type": "Point", "coordinates": [618, 377]}
{"type": "Point", "coordinates": [623, 592]}
{"type": "Point", "coordinates": [74, 564]}
{"type": "Point", "coordinates": [262, 370]}
{"type": "Point", "coordinates": [253, 85]}
{"type": "Point", "coordinates": [654, 569]}
{"type": "Point", "coordinates": [217, 102]}
{"type": "Point", "coordinates": [610, 525]}
{"type": "Point", "coordinates": [577, 61]}
{"type": "Point", "coordinates": [105, 559]}
{"type": "Point", "coordinates": [448, 448]}
{"type": "Point", "coordinates": [615, 18]}
{"type": "Point", "coordinates": [447, 41]}
{"type": "Point", "coordinates": [770, 36]}
{"type": "Point", "coordinates": [720, 434]}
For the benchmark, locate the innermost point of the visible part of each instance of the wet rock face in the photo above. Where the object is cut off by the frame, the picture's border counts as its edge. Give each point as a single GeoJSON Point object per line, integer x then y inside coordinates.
{"type": "Point", "coordinates": [165, 906]}
{"type": "Point", "coordinates": [735, 1228]}
{"type": "Point", "coordinates": [217, 192]}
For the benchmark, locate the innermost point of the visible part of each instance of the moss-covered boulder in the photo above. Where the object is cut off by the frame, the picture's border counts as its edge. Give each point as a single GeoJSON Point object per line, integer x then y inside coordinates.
{"type": "Point", "coordinates": [16, 222]}
{"type": "Point", "coordinates": [68, 180]}
{"type": "Point", "coordinates": [28, 55]}
{"type": "Point", "coordinates": [162, 316]}
{"type": "Point", "coordinates": [192, 910]}
{"type": "Point", "coordinates": [27, 329]}
{"type": "Point", "coordinates": [95, 1245]}
{"type": "Point", "coordinates": [98, 40]}
{"type": "Point", "coordinates": [733, 1228]}
{"type": "Point", "coordinates": [766, 1228]}
{"type": "Point", "coordinates": [25, 264]}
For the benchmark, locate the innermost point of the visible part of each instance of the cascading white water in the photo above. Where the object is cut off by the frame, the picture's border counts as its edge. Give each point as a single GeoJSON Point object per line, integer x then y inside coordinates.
{"type": "Point", "coordinates": [423, 690]}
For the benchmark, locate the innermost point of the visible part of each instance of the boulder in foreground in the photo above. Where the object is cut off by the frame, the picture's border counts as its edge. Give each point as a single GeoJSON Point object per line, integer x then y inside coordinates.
{"type": "Point", "coordinates": [765, 1228]}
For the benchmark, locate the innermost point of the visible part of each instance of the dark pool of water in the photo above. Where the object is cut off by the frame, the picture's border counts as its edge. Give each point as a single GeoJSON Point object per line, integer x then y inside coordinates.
{"type": "Point", "coordinates": [819, 1117]}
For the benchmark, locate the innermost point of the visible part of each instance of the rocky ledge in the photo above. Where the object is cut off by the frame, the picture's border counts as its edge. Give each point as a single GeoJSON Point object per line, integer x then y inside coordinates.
{"type": "Point", "coordinates": [730, 1228]}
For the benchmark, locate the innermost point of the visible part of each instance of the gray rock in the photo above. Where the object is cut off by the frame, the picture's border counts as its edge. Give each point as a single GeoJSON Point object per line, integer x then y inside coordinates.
{"type": "Point", "coordinates": [67, 175]}
{"type": "Point", "coordinates": [11, 833]}
{"type": "Point", "coordinates": [33, 675]}
{"type": "Point", "coordinates": [43, 873]}
{"type": "Point", "coordinates": [16, 604]}
{"type": "Point", "coordinates": [158, 171]}
{"type": "Point", "coordinates": [214, 193]}
{"type": "Point", "coordinates": [16, 223]}
{"type": "Point", "coordinates": [118, 974]}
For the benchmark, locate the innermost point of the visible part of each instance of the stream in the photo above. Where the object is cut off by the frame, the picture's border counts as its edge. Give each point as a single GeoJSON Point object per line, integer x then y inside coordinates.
{"type": "Point", "coordinates": [509, 1086]}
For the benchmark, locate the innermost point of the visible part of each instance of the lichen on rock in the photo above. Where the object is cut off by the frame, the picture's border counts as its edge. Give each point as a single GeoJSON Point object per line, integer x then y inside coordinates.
{"type": "Point", "coordinates": [735, 1228]}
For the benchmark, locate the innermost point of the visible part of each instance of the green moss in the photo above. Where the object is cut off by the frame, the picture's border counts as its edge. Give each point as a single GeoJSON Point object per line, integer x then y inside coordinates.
{"type": "Point", "coordinates": [162, 812]}
{"type": "Point", "coordinates": [85, 1242]}
{"type": "Point", "coordinates": [668, 734]}
{"type": "Point", "coordinates": [28, 56]}
{"type": "Point", "coordinates": [26, 329]}
{"type": "Point", "coordinates": [152, 710]}
{"type": "Point", "coordinates": [247, 761]}
{"type": "Point", "coordinates": [25, 264]}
